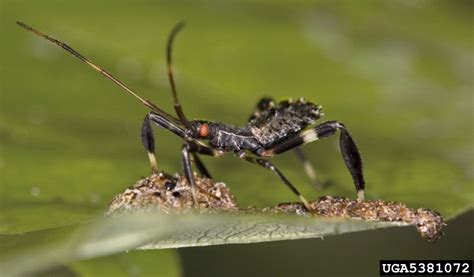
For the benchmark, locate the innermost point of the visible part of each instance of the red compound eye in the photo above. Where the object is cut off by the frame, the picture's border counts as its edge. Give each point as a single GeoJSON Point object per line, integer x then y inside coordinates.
{"type": "Point", "coordinates": [204, 130]}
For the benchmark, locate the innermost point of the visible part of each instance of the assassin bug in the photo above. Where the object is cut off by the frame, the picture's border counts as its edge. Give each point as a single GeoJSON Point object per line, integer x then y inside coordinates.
{"type": "Point", "coordinates": [273, 129]}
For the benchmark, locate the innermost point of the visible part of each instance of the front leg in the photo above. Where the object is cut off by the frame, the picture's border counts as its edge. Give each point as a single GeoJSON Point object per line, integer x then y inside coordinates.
{"type": "Point", "coordinates": [193, 148]}
{"type": "Point", "coordinates": [148, 141]}
{"type": "Point", "coordinates": [349, 150]}
{"type": "Point", "coordinates": [188, 171]}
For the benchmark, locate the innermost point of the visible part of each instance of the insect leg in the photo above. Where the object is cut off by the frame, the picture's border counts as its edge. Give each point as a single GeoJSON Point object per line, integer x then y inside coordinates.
{"type": "Point", "coordinates": [201, 167]}
{"type": "Point", "coordinates": [267, 103]}
{"type": "Point", "coordinates": [163, 122]}
{"type": "Point", "coordinates": [268, 165]}
{"type": "Point", "coordinates": [188, 171]}
{"type": "Point", "coordinates": [308, 167]}
{"type": "Point", "coordinates": [149, 142]}
{"type": "Point", "coordinates": [349, 150]}
{"type": "Point", "coordinates": [191, 147]}
{"type": "Point", "coordinates": [263, 104]}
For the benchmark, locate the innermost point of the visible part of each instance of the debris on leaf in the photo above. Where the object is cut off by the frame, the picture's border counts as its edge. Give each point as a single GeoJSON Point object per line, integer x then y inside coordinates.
{"type": "Point", "coordinates": [428, 222]}
{"type": "Point", "coordinates": [172, 194]}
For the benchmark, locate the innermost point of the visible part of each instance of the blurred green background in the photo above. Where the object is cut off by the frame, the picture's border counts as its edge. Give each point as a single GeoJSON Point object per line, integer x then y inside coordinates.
{"type": "Point", "coordinates": [397, 73]}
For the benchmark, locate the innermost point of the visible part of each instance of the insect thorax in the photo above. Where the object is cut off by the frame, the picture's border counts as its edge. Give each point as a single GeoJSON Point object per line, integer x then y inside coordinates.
{"type": "Point", "coordinates": [232, 138]}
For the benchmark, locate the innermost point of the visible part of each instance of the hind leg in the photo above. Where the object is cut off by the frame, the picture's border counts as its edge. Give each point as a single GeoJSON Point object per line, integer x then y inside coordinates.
{"type": "Point", "coordinates": [349, 151]}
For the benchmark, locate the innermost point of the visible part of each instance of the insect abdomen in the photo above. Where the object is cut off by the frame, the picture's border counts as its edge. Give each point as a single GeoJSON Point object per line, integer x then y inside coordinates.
{"type": "Point", "coordinates": [283, 120]}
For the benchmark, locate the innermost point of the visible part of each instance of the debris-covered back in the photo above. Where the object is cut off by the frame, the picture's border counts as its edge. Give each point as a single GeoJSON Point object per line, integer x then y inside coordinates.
{"type": "Point", "coordinates": [275, 122]}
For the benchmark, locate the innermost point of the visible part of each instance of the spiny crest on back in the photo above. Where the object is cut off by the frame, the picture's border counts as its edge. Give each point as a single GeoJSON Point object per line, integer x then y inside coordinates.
{"type": "Point", "coordinates": [273, 122]}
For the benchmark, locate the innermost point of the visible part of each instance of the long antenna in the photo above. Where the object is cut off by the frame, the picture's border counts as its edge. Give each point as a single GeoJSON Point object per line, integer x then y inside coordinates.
{"type": "Point", "coordinates": [100, 70]}
{"type": "Point", "coordinates": [169, 49]}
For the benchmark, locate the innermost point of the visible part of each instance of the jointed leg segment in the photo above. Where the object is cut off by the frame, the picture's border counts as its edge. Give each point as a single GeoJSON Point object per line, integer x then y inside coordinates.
{"type": "Point", "coordinates": [148, 141]}
{"type": "Point", "coordinates": [308, 167]}
{"type": "Point", "coordinates": [188, 171]}
{"type": "Point", "coordinates": [192, 148]}
{"type": "Point", "coordinates": [349, 150]}
{"type": "Point", "coordinates": [268, 165]}
{"type": "Point", "coordinates": [200, 166]}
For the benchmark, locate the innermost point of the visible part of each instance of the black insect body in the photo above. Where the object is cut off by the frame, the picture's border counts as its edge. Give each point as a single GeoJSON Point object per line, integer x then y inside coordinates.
{"type": "Point", "coordinates": [275, 123]}
{"type": "Point", "coordinates": [265, 128]}
{"type": "Point", "coordinates": [224, 138]}
{"type": "Point", "coordinates": [271, 130]}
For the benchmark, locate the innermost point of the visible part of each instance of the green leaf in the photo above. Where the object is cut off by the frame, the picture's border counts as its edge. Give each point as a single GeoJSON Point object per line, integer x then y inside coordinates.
{"type": "Point", "coordinates": [41, 250]}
